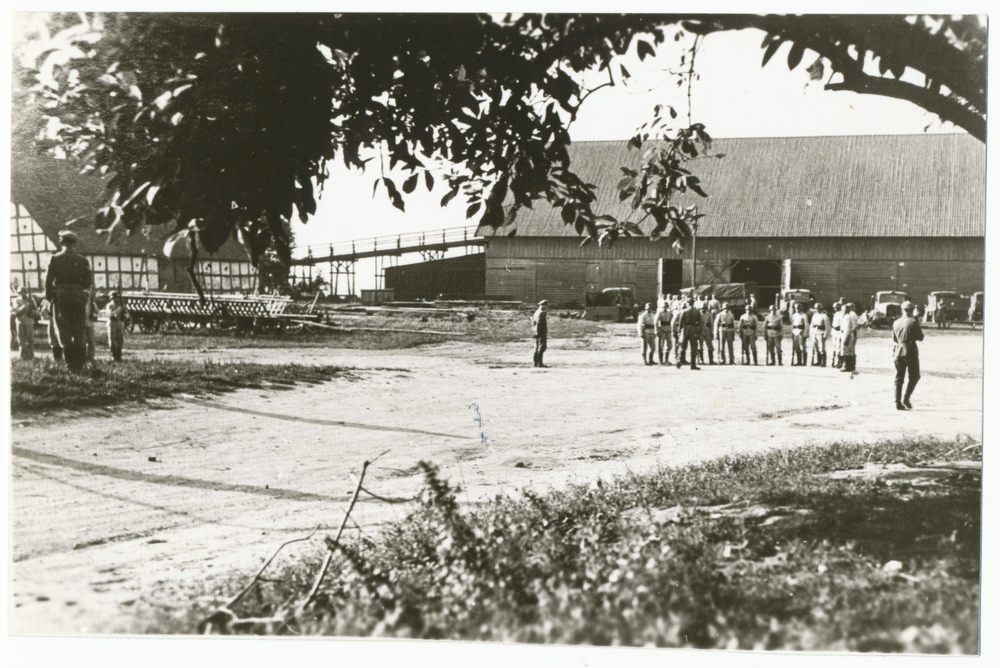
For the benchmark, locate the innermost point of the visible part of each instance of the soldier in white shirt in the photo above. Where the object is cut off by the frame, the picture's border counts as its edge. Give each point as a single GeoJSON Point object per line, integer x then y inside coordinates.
{"type": "Point", "coordinates": [849, 326]}
{"type": "Point", "coordinates": [836, 338]}
{"type": "Point", "coordinates": [800, 325]}
{"type": "Point", "coordinates": [819, 332]}
{"type": "Point", "coordinates": [646, 327]}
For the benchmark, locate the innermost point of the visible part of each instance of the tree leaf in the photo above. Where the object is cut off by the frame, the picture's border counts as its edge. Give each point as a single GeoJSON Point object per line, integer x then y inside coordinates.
{"type": "Point", "coordinates": [450, 195]}
{"type": "Point", "coordinates": [625, 74]}
{"type": "Point", "coordinates": [410, 184]}
{"type": "Point", "coordinates": [771, 49]}
{"type": "Point", "coordinates": [429, 181]}
{"type": "Point", "coordinates": [644, 48]}
{"type": "Point", "coordinates": [471, 211]}
{"type": "Point", "coordinates": [795, 55]}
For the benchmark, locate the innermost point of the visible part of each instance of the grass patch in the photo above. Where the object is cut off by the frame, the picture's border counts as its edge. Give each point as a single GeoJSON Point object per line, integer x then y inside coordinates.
{"type": "Point", "coordinates": [486, 327]}
{"type": "Point", "coordinates": [745, 552]}
{"type": "Point", "coordinates": [44, 384]}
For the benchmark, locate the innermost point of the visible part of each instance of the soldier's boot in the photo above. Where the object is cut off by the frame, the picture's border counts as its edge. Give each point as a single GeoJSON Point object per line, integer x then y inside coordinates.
{"type": "Point", "coordinates": [780, 361]}
{"type": "Point", "coordinates": [899, 392]}
{"type": "Point", "coordinates": [754, 351]}
{"type": "Point", "coordinates": [116, 354]}
{"type": "Point", "coordinates": [710, 357]}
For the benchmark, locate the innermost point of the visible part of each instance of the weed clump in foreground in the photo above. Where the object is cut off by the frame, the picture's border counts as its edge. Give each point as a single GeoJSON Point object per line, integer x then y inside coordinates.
{"type": "Point", "coordinates": [44, 384]}
{"type": "Point", "coordinates": [746, 552]}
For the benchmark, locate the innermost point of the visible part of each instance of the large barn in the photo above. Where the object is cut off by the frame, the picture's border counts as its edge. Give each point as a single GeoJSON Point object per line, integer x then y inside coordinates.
{"type": "Point", "coordinates": [840, 216]}
{"type": "Point", "coordinates": [46, 194]}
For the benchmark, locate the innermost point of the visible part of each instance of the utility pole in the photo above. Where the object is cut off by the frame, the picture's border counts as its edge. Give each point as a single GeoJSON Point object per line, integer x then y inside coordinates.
{"type": "Point", "coordinates": [694, 256]}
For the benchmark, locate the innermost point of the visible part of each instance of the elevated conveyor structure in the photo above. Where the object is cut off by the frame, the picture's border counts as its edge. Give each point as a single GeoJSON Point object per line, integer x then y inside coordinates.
{"type": "Point", "coordinates": [386, 250]}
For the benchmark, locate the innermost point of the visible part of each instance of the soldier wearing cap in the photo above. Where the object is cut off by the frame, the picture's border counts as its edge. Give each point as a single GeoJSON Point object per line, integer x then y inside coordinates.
{"type": "Point", "coordinates": [25, 311]}
{"type": "Point", "coordinates": [836, 338]}
{"type": "Point", "coordinates": [906, 332]}
{"type": "Point", "coordinates": [774, 331]}
{"type": "Point", "coordinates": [66, 283]}
{"type": "Point", "coordinates": [748, 336]}
{"type": "Point", "coordinates": [819, 332]}
{"type": "Point", "coordinates": [800, 326]}
{"type": "Point", "coordinates": [725, 332]}
{"type": "Point", "coordinates": [664, 332]}
{"type": "Point", "coordinates": [706, 342]}
{"type": "Point", "coordinates": [645, 326]}
{"type": "Point", "coordinates": [540, 330]}
{"type": "Point", "coordinates": [849, 325]}
{"type": "Point", "coordinates": [690, 324]}
{"type": "Point", "coordinates": [92, 315]}
{"type": "Point", "coordinates": [117, 320]}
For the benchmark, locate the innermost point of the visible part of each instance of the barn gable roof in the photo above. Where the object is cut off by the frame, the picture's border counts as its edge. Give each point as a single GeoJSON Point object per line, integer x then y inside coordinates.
{"type": "Point", "coordinates": [852, 186]}
{"type": "Point", "coordinates": [54, 193]}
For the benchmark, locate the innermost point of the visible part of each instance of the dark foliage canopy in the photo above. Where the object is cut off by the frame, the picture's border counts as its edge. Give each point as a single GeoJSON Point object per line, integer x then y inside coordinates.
{"type": "Point", "coordinates": [227, 122]}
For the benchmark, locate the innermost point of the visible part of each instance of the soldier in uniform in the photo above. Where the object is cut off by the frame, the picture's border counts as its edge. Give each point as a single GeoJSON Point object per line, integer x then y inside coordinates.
{"type": "Point", "coordinates": [675, 328]}
{"type": "Point", "coordinates": [836, 336]}
{"type": "Point", "coordinates": [819, 332]}
{"type": "Point", "coordinates": [725, 331]}
{"type": "Point", "coordinates": [117, 317]}
{"type": "Point", "coordinates": [706, 336]}
{"type": "Point", "coordinates": [25, 311]}
{"type": "Point", "coordinates": [774, 331]}
{"type": "Point", "coordinates": [906, 332]}
{"type": "Point", "coordinates": [645, 325]}
{"type": "Point", "coordinates": [690, 325]}
{"type": "Point", "coordinates": [664, 333]}
{"type": "Point", "coordinates": [540, 330]}
{"type": "Point", "coordinates": [748, 336]}
{"type": "Point", "coordinates": [66, 282]}
{"type": "Point", "coordinates": [92, 315]}
{"type": "Point", "coordinates": [800, 325]}
{"type": "Point", "coordinates": [849, 326]}
{"type": "Point", "coordinates": [714, 306]}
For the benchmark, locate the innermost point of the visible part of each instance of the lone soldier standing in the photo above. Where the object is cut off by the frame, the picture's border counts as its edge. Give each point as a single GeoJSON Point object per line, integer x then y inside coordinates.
{"type": "Point", "coordinates": [66, 282]}
{"type": "Point", "coordinates": [748, 336]}
{"type": "Point", "coordinates": [800, 324]}
{"type": "Point", "coordinates": [690, 325]}
{"type": "Point", "coordinates": [819, 331]}
{"type": "Point", "coordinates": [117, 315]}
{"type": "Point", "coordinates": [663, 332]}
{"type": "Point", "coordinates": [725, 331]}
{"type": "Point", "coordinates": [774, 330]}
{"type": "Point", "coordinates": [540, 330]}
{"type": "Point", "coordinates": [25, 312]}
{"type": "Point", "coordinates": [646, 327]}
{"type": "Point", "coordinates": [906, 332]}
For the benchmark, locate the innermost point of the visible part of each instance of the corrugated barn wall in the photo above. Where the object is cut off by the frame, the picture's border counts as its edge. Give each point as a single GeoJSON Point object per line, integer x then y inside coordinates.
{"type": "Point", "coordinates": [560, 270]}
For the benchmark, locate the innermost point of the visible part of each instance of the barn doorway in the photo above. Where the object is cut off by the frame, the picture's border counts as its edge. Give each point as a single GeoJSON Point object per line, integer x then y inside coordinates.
{"type": "Point", "coordinates": [671, 276]}
{"type": "Point", "coordinates": [765, 273]}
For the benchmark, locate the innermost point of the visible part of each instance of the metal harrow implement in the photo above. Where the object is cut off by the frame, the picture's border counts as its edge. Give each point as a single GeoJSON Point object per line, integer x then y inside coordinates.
{"type": "Point", "coordinates": [156, 311]}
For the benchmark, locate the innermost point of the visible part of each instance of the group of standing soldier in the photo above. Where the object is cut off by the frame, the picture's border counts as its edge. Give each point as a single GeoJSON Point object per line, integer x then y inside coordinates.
{"type": "Point", "coordinates": [695, 331]}
{"type": "Point", "coordinates": [690, 329]}
{"type": "Point", "coordinates": [70, 309]}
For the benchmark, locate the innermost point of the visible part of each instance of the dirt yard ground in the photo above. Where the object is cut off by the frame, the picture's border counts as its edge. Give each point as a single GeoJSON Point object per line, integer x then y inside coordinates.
{"type": "Point", "coordinates": [115, 510]}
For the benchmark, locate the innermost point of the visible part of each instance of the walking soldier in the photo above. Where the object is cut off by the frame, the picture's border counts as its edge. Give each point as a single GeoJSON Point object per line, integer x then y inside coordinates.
{"type": "Point", "coordinates": [66, 281]}
{"type": "Point", "coordinates": [906, 332]}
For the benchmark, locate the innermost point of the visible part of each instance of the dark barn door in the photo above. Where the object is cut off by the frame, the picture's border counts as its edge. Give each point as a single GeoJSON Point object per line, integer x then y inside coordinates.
{"type": "Point", "coordinates": [672, 276]}
{"type": "Point", "coordinates": [765, 273]}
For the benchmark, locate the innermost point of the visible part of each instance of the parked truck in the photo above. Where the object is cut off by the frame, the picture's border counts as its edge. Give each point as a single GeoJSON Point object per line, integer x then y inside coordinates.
{"type": "Point", "coordinates": [887, 306]}
{"type": "Point", "coordinates": [616, 304]}
{"type": "Point", "coordinates": [737, 295]}
{"type": "Point", "coordinates": [945, 307]}
{"type": "Point", "coordinates": [788, 298]}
